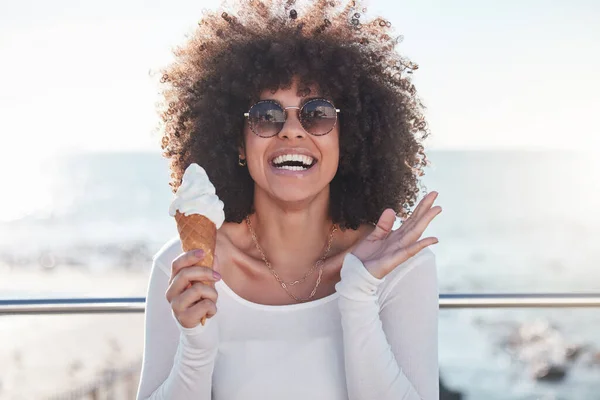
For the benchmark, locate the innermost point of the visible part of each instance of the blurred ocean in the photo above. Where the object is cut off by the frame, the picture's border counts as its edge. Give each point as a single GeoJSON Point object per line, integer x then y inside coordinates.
{"type": "Point", "coordinates": [512, 222]}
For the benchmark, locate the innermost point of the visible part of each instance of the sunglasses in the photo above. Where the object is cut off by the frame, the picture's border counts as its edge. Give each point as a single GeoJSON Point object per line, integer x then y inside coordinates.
{"type": "Point", "coordinates": [267, 117]}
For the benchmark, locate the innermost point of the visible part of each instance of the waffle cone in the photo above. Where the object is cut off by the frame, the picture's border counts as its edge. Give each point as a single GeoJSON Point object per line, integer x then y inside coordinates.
{"type": "Point", "coordinates": [198, 232]}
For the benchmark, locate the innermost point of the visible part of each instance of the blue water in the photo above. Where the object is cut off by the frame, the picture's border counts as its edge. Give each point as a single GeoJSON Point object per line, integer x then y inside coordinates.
{"type": "Point", "coordinates": [512, 222]}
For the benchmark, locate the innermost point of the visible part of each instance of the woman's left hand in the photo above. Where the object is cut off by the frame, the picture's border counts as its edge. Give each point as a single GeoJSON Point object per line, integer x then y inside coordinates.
{"type": "Point", "coordinates": [384, 249]}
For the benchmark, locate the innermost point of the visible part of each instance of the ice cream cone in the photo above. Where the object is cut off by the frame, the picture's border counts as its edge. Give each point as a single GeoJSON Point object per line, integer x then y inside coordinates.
{"type": "Point", "coordinates": [198, 232]}
{"type": "Point", "coordinates": [198, 213]}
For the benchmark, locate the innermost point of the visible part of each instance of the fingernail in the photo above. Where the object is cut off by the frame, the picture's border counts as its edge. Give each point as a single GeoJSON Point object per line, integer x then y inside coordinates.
{"type": "Point", "coordinates": [199, 253]}
{"type": "Point", "coordinates": [216, 275]}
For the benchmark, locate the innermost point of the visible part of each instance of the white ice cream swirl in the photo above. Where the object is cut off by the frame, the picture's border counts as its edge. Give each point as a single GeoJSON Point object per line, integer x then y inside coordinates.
{"type": "Point", "coordinates": [197, 195]}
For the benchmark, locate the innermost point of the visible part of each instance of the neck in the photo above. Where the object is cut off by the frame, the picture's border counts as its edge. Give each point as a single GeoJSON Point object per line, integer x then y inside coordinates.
{"type": "Point", "coordinates": [293, 236]}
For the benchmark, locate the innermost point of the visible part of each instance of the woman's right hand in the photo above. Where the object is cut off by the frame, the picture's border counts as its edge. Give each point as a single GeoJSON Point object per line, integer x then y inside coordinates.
{"type": "Point", "coordinates": [191, 299]}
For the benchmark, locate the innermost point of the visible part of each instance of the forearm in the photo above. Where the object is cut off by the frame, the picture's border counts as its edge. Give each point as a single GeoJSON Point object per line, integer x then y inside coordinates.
{"type": "Point", "coordinates": [178, 362]}
{"type": "Point", "coordinates": [191, 374]}
{"type": "Point", "coordinates": [373, 370]}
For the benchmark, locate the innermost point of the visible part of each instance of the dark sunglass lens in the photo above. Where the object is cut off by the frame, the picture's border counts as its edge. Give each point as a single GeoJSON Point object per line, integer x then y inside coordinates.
{"type": "Point", "coordinates": [318, 117]}
{"type": "Point", "coordinates": [266, 118]}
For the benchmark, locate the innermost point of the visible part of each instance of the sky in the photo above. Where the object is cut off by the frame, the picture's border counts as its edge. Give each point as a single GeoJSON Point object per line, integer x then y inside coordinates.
{"type": "Point", "coordinates": [493, 74]}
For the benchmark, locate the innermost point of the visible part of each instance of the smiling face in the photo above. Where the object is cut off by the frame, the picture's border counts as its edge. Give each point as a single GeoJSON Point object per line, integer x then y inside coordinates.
{"type": "Point", "coordinates": [285, 184]}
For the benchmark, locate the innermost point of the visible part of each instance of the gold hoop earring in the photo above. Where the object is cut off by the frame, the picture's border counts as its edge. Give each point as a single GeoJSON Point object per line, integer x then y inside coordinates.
{"type": "Point", "coordinates": [241, 161]}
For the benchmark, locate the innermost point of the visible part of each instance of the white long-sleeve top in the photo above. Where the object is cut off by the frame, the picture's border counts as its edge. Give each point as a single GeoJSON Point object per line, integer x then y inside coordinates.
{"type": "Point", "coordinates": [371, 339]}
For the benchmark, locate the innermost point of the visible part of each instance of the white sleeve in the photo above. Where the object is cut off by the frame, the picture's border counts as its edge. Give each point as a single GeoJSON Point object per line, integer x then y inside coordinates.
{"type": "Point", "coordinates": [178, 363]}
{"type": "Point", "coordinates": [391, 337]}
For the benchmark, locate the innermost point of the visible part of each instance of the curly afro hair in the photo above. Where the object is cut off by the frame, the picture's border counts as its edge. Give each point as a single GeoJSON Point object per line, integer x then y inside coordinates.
{"type": "Point", "coordinates": [237, 52]}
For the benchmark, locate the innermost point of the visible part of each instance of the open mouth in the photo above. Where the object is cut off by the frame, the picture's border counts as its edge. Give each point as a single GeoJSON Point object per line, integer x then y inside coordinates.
{"type": "Point", "coordinates": [294, 165]}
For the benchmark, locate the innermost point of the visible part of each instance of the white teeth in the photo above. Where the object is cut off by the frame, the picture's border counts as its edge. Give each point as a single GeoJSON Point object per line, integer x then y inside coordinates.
{"type": "Point", "coordinates": [292, 168]}
{"type": "Point", "coordinates": [293, 157]}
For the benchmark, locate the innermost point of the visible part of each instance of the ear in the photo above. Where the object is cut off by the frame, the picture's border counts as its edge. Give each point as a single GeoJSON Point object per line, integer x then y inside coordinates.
{"type": "Point", "coordinates": [242, 151]}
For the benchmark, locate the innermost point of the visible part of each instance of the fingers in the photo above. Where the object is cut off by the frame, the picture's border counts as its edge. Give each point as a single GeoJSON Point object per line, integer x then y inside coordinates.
{"type": "Point", "coordinates": [384, 225]}
{"type": "Point", "coordinates": [192, 303]}
{"type": "Point", "coordinates": [186, 276]}
{"type": "Point", "coordinates": [204, 308]}
{"type": "Point", "coordinates": [422, 223]}
{"type": "Point", "coordinates": [192, 316]}
{"type": "Point", "coordinates": [195, 293]}
{"type": "Point", "coordinates": [414, 231]}
{"type": "Point", "coordinates": [416, 247]}
{"type": "Point", "coordinates": [424, 205]}
{"type": "Point", "coordinates": [193, 257]}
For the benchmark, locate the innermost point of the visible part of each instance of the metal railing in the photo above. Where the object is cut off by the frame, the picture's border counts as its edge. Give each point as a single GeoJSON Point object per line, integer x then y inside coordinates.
{"type": "Point", "coordinates": [73, 306]}
{"type": "Point", "coordinates": [119, 383]}
{"type": "Point", "coordinates": [137, 304]}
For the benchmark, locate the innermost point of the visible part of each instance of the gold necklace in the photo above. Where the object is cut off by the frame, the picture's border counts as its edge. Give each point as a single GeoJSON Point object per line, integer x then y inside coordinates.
{"type": "Point", "coordinates": [284, 285]}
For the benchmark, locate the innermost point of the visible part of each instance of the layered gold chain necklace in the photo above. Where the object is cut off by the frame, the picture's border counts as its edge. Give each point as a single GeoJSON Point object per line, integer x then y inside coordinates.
{"type": "Point", "coordinates": [319, 264]}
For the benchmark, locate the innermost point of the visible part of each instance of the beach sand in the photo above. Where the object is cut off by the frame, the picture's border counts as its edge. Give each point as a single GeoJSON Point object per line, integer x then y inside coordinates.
{"type": "Point", "coordinates": [47, 355]}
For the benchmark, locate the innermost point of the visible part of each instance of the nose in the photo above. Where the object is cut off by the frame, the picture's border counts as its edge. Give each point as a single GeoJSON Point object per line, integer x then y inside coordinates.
{"type": "Point", "coordinates": [292, 126]}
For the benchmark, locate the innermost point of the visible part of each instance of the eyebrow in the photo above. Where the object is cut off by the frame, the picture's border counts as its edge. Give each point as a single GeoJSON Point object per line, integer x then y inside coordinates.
{"type": "Point", "coordinates": [304, 101]}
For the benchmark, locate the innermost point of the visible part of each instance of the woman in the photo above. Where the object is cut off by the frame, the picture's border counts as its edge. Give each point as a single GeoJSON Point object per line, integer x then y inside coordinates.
{"type": "Point", "coordinates": [308, 126]}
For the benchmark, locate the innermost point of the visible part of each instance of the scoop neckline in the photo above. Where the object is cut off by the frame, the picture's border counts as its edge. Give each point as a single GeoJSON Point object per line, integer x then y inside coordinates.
{"type": "Point", "coordinates": [282, 307]}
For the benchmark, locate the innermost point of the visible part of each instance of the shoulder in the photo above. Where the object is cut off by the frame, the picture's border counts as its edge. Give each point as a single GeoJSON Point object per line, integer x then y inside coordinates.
{"type": "Point", "coordinates": [167, 253]}
{"type": "Point", "coordinates": [419, 272]}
